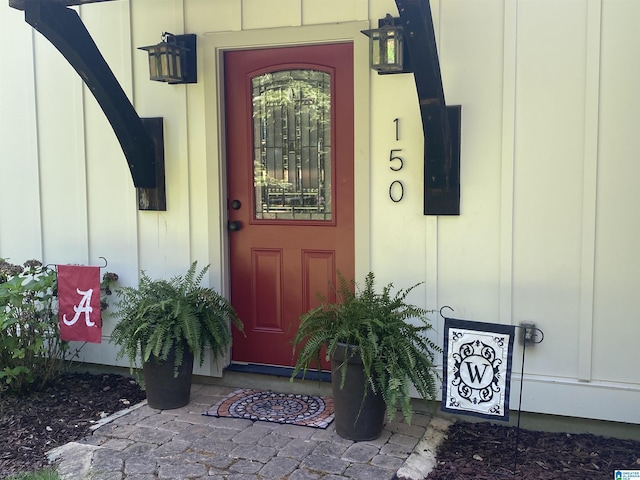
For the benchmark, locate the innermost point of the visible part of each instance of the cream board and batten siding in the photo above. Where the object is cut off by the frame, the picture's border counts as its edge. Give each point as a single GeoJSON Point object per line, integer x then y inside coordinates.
{"type": "Point", "coordinates": [548, 161]}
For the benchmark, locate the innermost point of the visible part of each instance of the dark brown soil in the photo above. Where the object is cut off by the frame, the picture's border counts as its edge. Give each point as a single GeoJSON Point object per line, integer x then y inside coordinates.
{"type": "Point", "coordinates": [33, 424]}
{"type": "Point", "coordinates": [483, 451]}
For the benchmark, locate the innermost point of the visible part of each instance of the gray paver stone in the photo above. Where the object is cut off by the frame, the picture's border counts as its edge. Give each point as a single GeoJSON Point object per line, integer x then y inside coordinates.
{"type": "Point", "coordinates": [232, 423]}
{"type": "Point", "coordinates": [221, 434]}
{"type": "Point", "coordinates": [221, 462]}
{"type": "Point", "coordinates": [170, 448]}
{"type": "Point", "coordinates": [174, 426]}
{"type": "Point", "coordinates": [274, 440]}
{"type": "Point", "coordinates": [107, 454]}
{"type": "Point", "coordinates": [100, 475]}
{"type": "Point", "coordinates": [113, 430]}
{"type": "Point", "coordinates": [180, 470]}
{"type": "Point", "coordinates": [279, 467]}
{"type": "Point", "coordinates": [295, 431]}
{"type": "Point", "coordinates": [331, 449]}
{"type": "Point", "coordinates": [302, 474]}
{"type": "Point", "coordinates": [359, 471]}
{"type": "Point", "coordinates": [193, 432]}
{"type": "Point", "coordinates": [269, 425]}
{"type": "Point", "coordinates": [325, 464]}
{"type": "Point", "coordinates": [139, 464]}
{"type": "Point", "coordinates": [329, 435]}
{"type": "Point", "coordinates": [154, 421]}
{"type": "Point", "coordinates": [410, 430]}
{"type": "Point", "coordinates": [192, 457]}
{"type": "Point", "coordinates": [105, 460]}
{"type": "Point", "coordinates": [140, 448]}
{"type": "Point", "coordinates": [117, 443]}
{"type": "Point", "coordinates": [360, 453]}
{"type": "Point", "coordinates": [250, 435]}
{"type": "Point", "coordinates": [253, 452]}
{"type": "Point", "coordinates": [217, 447]}
{"type": "Point", "coordinates": [388, 462]}
{"type": "Point", "coordinates": [404, 440]}
{"type": "Point", "coordinates": [246, 466]}
{"type": "Point", "coordinates": [150, 435]}
{"type": "Point", "coordinates": [196, 418]}
{"type": "Point", "coordinates": [242, 476]}
{"type": "Point", "coordinates": [380, 441]}
{"type": "Point", "coordinates": [297, 449]}
{"type": "Point", "coordinates": [91, 440]}
{"type": "Point", "coordinates": [141, 476]}
{"type": "Point", "coordinates": [135, 416]}
{"type": "Point", "coordinates": [395, 450]}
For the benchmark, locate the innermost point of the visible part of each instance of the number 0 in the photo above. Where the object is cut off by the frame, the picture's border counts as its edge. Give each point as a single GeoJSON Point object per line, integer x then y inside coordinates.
{"type": "Point", "coordinates": [396, 191]}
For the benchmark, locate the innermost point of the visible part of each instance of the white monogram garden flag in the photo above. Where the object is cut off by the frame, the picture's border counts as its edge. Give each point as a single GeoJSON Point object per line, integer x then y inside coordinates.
{"type": "Point", "coordinates": [477, 368]}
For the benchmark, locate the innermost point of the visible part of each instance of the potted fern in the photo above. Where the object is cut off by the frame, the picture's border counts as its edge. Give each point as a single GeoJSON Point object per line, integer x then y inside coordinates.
{"type": "Point", "coordinates": [378, 350]}
{"type": "Point", "coordinates": [166, 323]}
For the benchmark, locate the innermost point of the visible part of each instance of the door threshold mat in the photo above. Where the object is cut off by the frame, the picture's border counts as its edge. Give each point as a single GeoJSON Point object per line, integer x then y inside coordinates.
{"type": "Point", "coordinates": [275, 371]}
{"type": "Point", "coordinates": [266, 406]}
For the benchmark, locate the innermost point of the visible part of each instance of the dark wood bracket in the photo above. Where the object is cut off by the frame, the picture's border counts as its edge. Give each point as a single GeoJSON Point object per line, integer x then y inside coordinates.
{"type": "Point", "coordinates": [155, 198]}
{"type": "Point", "coordinates": [440, 124]}
{"type": "Point", "coordinates": [64, 29]}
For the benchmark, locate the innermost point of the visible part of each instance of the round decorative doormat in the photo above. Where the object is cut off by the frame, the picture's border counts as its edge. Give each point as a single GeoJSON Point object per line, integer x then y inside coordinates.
{"type": "Point", "coordinates": [266, 406]}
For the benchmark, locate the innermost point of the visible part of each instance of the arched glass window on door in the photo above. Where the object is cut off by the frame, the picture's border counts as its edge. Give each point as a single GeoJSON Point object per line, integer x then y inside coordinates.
{"type": "Point", "coordinates": [292, 145]}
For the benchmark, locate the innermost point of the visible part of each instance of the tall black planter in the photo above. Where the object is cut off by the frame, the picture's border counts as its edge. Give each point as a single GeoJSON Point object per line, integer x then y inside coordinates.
{"type": "Point", "coordinates": [355, 419]}
{"type": "Point", "coordinates": [164, 390]}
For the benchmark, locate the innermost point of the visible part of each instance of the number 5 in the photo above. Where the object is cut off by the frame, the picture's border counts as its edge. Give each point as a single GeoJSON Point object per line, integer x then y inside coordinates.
{"type": "Point", "coordinates": [393, 157]}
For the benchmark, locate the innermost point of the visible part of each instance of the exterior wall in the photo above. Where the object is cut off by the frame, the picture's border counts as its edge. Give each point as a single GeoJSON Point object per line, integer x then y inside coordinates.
{"type": "Point", "coordinates": [548, 169]}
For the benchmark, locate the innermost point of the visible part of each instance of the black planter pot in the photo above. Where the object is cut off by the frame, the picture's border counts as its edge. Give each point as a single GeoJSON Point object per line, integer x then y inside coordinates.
{"type": "Point", "coordinates": [355, 419]}
{"type": "Point", "coordinates": [164, 391]}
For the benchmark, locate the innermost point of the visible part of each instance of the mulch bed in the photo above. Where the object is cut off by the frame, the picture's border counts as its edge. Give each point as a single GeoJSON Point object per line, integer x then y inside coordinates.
{"type": "Point", "coordinates": [483, 451]}
{"type": "Point", "coordinates": [33, 424]}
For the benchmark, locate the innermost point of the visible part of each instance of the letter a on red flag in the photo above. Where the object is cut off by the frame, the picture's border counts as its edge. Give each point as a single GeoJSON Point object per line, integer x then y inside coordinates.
{"type": "Point", "coordinates": [79, 303]}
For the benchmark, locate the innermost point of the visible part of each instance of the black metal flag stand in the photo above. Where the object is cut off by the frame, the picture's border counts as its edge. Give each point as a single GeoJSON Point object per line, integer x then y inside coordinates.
{"type": "Point", "coordinates": [530, 335]}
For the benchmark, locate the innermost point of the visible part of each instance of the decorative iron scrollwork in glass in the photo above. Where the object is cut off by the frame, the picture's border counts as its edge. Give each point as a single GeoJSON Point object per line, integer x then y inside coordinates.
{"type": "Point", "coordinates": [292, 145]}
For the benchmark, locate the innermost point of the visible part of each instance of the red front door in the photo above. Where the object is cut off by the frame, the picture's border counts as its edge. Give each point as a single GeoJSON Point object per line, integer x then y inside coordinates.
{"type": "Point", "coordinates": [289, 123]}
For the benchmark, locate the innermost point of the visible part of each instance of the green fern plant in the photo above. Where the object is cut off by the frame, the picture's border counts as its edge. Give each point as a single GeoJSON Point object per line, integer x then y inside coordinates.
{"type": "Point", "coordinates": [159, 315]}
{"type": "Point", "coordinates": [388, 333]}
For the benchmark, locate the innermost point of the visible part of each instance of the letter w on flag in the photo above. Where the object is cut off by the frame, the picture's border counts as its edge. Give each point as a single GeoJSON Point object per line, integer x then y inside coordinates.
{"type": "Point", "coordinates": [79, 303]}
{"type": "Point", "coordinates": [477, 368]}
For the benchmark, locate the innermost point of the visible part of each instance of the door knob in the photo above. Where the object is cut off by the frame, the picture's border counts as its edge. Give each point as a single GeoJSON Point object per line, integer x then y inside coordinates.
{"type": "Point", "coordinates": [236, 204]}
{"type": "Point", "coordinates": [234, 226]}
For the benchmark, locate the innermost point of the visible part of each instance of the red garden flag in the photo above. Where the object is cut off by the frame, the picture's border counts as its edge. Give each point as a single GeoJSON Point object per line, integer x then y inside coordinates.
{"type": "Point", "coordinates": [79, 303]}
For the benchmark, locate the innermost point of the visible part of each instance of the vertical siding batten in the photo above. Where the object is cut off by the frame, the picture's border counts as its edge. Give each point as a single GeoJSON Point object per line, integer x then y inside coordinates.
{"type": "Point", "coordinates": [590, 177]}
{"type": "Point", "coordinates": [21, 226]}
{"type": "Point", "coordinates": [61, 159]}
{"type": "Point", "coordinates": [510, 9]}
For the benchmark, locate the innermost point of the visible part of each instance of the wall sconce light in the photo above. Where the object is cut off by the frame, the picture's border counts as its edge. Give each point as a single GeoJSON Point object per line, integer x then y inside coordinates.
{"type": "Point", "coordinates": [387, 49]}
{"type": "Point", "coordinates": [174, 59]}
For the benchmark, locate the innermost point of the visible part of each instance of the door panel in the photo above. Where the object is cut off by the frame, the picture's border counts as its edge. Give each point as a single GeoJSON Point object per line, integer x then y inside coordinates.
{"type": "Point", "coordinates": [289, 121]}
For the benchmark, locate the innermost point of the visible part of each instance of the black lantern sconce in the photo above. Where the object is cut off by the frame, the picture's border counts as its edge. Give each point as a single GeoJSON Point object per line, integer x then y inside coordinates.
{"type": "Point", "coordinates": [387, 49]}
{"type": "Point", "coordinates": [173, 60]}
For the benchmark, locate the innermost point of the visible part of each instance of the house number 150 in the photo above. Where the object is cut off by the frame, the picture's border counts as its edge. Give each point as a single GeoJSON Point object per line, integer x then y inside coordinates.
{"type": "Point", "coordinates": [396, 188]}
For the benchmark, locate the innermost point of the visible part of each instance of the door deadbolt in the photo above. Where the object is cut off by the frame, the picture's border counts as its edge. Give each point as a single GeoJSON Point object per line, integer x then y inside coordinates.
{"type": "Point", "coordinates": [236, 204]}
